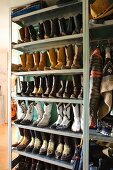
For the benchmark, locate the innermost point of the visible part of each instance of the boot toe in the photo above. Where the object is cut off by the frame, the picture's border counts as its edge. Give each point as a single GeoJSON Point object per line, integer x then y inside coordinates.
{"type": "Point", "coordinates": [35, 150]}
{"type": "Point", "coordinates": [17, 121]}
{"type": "Point", "coordinates": [26, 122]}
{"type": "Point", "coordinates": [29, 149]}
{"type": "Point", "coordinates": [66, 157]}
{"type": "Point", "coordinates": [21, 147]}
{"type": "Point", "coordinates": [42, 151]}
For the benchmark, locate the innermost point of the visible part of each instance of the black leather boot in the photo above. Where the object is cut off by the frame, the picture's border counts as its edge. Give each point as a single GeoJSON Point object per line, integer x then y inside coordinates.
{"type": "Point", "coordinates": [63, 27]}
{"type": "Point", "coordinates": [30, 88]}
{"type": "Point", "coordinates": [23, 88]}
{"type": "Point", "coordinates": [54, 86]}
{"type": "Point", "coordinates": [43, 149]}
{"type": "Point", "coordinates": [20, 165]}
{"type": "Point", "coordinates": [42, 86]}
{"type": "Point", "coordinates": [21, 131]}
{"type": "Point", "coordinates": [34, 163]}
{"type": "Point", "coordinates": [76, 86]}
{"type": "Point", "coordinates": [38, 142]}
{"type": "Point", "coordinates": [78, 24]}
{"type": "Point", "coordinates": [47, 28]}
{"type": "Point", "coordinates": [40, 166]}
{"type": "Point", "coordinates": [30, 147]}
{"type": "Point", "coordinates": [33, 33]}
{"type": "Point", "coordinates": [49, 80]}
{"type": "Point", "coordinates": [47, 166]}
{"type": "Point", "coordinates": [80, 96]}
{"type": "Point", "coordinates": [70, 26]}
{"type": "Point", "coordinates": [36, 85]}
{"type": "Point", "coordinates": [27, 163]}
{"type": "Point", "coordinates": [41, 32]}
{"type": "Point", "coordinates": [55, 31]}
{"type": "Point", "coordinates": [62, 89]}
{"type": "Point", "coordinates": [68, 89]}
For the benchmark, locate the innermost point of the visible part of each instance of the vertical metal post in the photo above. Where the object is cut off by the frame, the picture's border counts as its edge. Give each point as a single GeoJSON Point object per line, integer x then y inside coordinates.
{"type": "Point", "coordinates": [86, 84]}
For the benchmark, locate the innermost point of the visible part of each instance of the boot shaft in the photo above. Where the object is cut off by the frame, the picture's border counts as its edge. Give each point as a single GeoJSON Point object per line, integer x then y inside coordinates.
{"type": "Point", "coordinates": [52, 57]}
{"type": "Point", "coordinates": [78, 23]}
{"type": "Point", "coordinates": [22, 34]}
{"type": "Point", "coordinates": [55, 31]}
{"type": "Point", "coordinates": [39, 109]}
{"type": "Point", "coordinates": [47, 108]}
{"type": "Point", "coordinates": [33, 33]}
{"type": "Point", "coordinates": [43, 58]}
{"type": "Point", "coordinates": [41, 31]}
{"type": "Point", "coordinates": [23, 60]}
{"type": "Point", "coordinates": [60, 109]}
{"type": "Point", "coordinates": [76, 111]}
{"type": "Point", "coordinates": [30, 87]}
{"type": "Point", "coordinates": [69, 54]}
{"type": "Point", "coordinates": [70, 26]}
{"type": "Point", "coordinates": [61, 56]}
{"type": "Point", "coordinates": [47, 28]}
{"type": "Point", "coordinates": [29, 61]}
{"type": "Point", "coordinates": [78, 58]}
{"type": "Point", "coordinates": [76, 83]}
{"type": "Point", "coordinates": [22, 105]}
{"type": "Point", "coordinates": [27, 34]}
{"type": "Point", "coordinates": [36, 57]}
{"type": "Point", "coordinates": [62, 88]}
{"type": "Point", "coordinates": [62, 26]}
{"type": "Point", "coordinates": [27, 134]}
{"type": "Point", "coordinates": [36, 81]}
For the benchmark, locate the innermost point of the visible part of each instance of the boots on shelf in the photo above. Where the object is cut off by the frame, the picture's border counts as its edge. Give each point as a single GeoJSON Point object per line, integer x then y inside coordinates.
{"type": "Point", "coordinates": [36, 85]}
{"type": "Point", "coordinates": [78, 24]}
{"type": "Point", "coordinates": [54, 86]}
{"type": "Point", "coordinates": [20, 165]}
{"type": "Point", "coordinates": [38, 142]}
{"type": "Point", "coordinates": [76, 86]}
{"type": "Point", "coordinates": [29, 62]}
{"type": "Point", "coordinates": [25, 141]}
{"type": "Point", "coordinates": [34, 163]}
{"type": "Point", "coordinates": [23, 62]}
{"type": "Point", "coordinates": [62, 26]}
{"type": "Point", "coordinates": [29, 115]}
{"type": "Point", "coordinates": [27, 163]}
{"type": "Point", "coordinates": [43, 149]}
{"type": "Point", "coordinates": [76, 126]}
{"type": "Point", "coordinates": [33, 33]}
{"type": "Point", "coordinates": [40, 166]}
{"type": "Point", "coordinates": [77, 152]}
{"type": "Point", "coordinates": [36, 57]}
{"type": "Point", "coordinates": [51, 146]}
{"type": "Point", "coordinates": [61, 58]}
{"type": "Point", "coordinates": [55, 31]}
{"type": "Point", "coordinates": [23, 88]}
{"type": "Point", "coordinates": [41, 31]}
{"type": "Point", "coordinates": [80, 96]}
{"type": "Point", "coordinates": [30, 89]}
{"type": "Point", "coordinates": [47, 29]}
{"type": "Point", "coordinates": [70, 26]}
{"type": "Point", "coordinates": [22, 35]}
{"type": "Point", "coordinates": [40, 112]}
{"type": "Point", "coordinates": [52, 58]}
{"type": "Point", "coordinates": [42, 63]}
{"type": "Point", "coordinates": [77, 62]}
{"type": "Point", "coordinates": [66, 155]}
{"type": "Point", "coordinates": [68, 89]}
{"type": "Point", "coordinates": [21, 131]}
{"type": "Point", "coordinates": [60, 147]}
{"type": "Point", "coordinates": [62, 89]}
{"type": "Point", "coordinates": [44, 122]}
{"type": "Point", "coordinates": [42, 85]}
{"type": "Point", "coordinates": [69, 57]}
{"type": "Point", "coordinates": [27, 35]}
{"type": "Point", "coordinates": [60, 115]}
{"type": "Point", "coordinates": [30, 147]}
{"type": "Point", "coordinates": [49, 80]}
{"type": "Point", "coordinates": [23, 107]}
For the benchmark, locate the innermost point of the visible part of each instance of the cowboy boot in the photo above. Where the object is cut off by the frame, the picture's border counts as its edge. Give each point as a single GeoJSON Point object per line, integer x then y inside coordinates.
{"type": "Point", "coordinates": [43, 149]}
{"type": "Point", "coordinates": [49, 80]}
{"type": "Point", "coordinates": [27, 35]}
{"type": "Point", "coordinates": [77, 62]}
{"type": "Point", "coordinates": [40, 166]}
{"type": "Point", "coordinates": [27, 163]}
{"type": "Point", "coordinates": [41, 89]}
{"type": "Point", "coordinates": [21, 131]}
{"type": "Point", "coordinates": [23, 88]}
{"type": "Point", "coordinates": [34, 163]}
{"type": "Point", "coordinates": [38, 142]}
{"type": "Point", "coordinates": [76, 126]}
{"type": "Point", "coordinates": [23, 62]}
{"type": "Point", "coordinates": [76, 156]}
{"type": "Point", "coordinates": [60, 147]}
{"type": "Point", "coordinates": [40, 112]}
{"type": "Point", "coordinates": [44, 122]}
{"type": "Point", "coordinates": [62, 26]}
{"type": "Point", "coordinates": [62, 89]}
{"type": "Point", "coordinates": [66, 155]}
{"type": "Point", "coordinates": [23, 107]}
{"type": "Point", "coordinates": [78, 24]}
{"type": "Point", "coordinates": [30, 147]}
{"type": "Point", "coordinates": [80, 96]}
{"type": "Point", "coordinates": [41, 31]}
{"type": "Point", "coordinates": [52, 58]}
{"type": "Point", "coordinates": [69, 57]}
{"type": "Point", "coordinates": [68, 89]}
{"type": "Point", "coordinates": [54, 86]}
{"type": "Point", "coordinates": [76, 86]}
{"type": "Point", "coordinates": [51, 146]}
{"type": "Point", "coordinates": [33, 33]}
{"type": "Point", "coordinates": [22, 34]}
{"type": "Point", "coordinates": [47, 28]}
{"type": "Point", "coordinates": [60, 115]}
{"type": "Point", "coordinates": [29, 62]}
{"type": "Point", "coordinates": [61, 58]}
{"type": "Point", "coordinates": [29, 115]}
{"type": "Point", "coordinates": [36, 85]}
{"type": "Point", "coordinates": [25, 141]}
{"type": "Point", "coordinates": [55, 31]}
{"type": "Point", "coordinates": [30, 89]}
{"type": "Point", "coordinates": [66, 122]}
{"type": "Point", "coordinates": [70, 26]}
{"type": "Point", "coordinates": [82, 117]}
{"type": "Point", "coordinates": [20, 165]}
{"type": "Point", "coordinates": [36, 57]}
{"type": "Point", "coordinates": [43, 57]}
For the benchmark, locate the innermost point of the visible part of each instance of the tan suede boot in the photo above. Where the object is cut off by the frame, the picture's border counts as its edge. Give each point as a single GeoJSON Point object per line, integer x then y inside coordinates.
{"type": "Point", "coordinates": [42, 63]}
{"type": "Point", "coordinates": [22, 35]}
{"type": "Point", "coordinates": [52, 58]}
{"type": "Point", "coordinates": [23, 62]}
{"type": "Point", "coordinates": [29, 62]}
{"type": "Point", "coordinates": [36, 57]}
{"type": "Point", "coordinates": [61, 58]}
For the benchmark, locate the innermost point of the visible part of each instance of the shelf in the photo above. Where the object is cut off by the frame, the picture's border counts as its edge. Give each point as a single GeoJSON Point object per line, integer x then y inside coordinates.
{"type": "Point", "coordinates": [45, 159]}
{"type": "Point", "coordinates": [51, 131]}
{"type": "Point", "coordinates": [47, 72]}
{"type": "Point", "coordinates": [53, 100]}
{"type": "Point", "coordinates": [105, 24]}
{"type": "Point", "coordinates": [47, 43]}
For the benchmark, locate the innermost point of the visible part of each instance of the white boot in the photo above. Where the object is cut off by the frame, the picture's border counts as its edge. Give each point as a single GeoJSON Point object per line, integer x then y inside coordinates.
{"type": "Point", "coordinates": [82, 117]}
{"type": "Point", "coordinates": [40, 111]}
{"type": "Point", "coordinates": [76, 123]}
{"type": "Point", "coordinates": [46, 116]}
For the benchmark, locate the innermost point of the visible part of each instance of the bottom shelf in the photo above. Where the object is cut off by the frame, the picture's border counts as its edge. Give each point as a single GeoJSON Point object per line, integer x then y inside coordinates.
{"type": "Point", "coordinates": [45, 159]}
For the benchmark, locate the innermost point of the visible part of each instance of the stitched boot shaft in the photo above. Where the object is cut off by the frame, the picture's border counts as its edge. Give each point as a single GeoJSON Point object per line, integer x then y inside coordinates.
{"type": "Point", "coordinates": [36, 58]}
{"type": "Point", "coordinates": [55, 31]}
{"type": "Point", "coordinates": [41, 31]}
{"type": "Point", "coordinates": [60, 147]}
{"type": "Point", "coordinates": [49, 80]}
{"type": "Point", "coordinates": [78, 24]}
{"type": "Point", "coordinates": [52, 58]}
{"type": "Point", "coordinates": [36, 85]}
{"type": "Point", "coordinates": [40, 166]}
{"type": "Point", "coordinates": [22, 34]}
{"type": "Point", "coordinates": [45, 139]}
{"type": "Point", "coordinates": [38, 142]}
{"type": "Point", "coordinates": [21, 131]}
{"type": "Point", "coordinates": [69, 56]}
{"type": "Point", "coordinates": [70, 26]}
{"type": "Point", "coordinates": [23, 88]}
{"type": "Point", "coordinates": [76, 86]}
{"type": "Point", "coordinates": [30, 147]}
{"type": "Point", "coordinates": [29, 115]}
{"type": "Point", "coordinates": [43, 57]}
{"type": "Point", "coordinates": [23, 107]}
{"type": "Point", "coordinates": [80, 96]}
{"type": "Point", "coordinates": [47, 28]}
{"type": "Point", "coordinates": [62, 89]}
{"type": "Point", "coordinates": [34, 163]}
{"type": "Point", "coordinates": [44, 122]}
{"type": "Point", "coordinates": [68, 89]}
{"type": "Point", "coordinates": [42, 86]}
{"type": "Point", "coordinates": [60, 115]}
{"type": "Point", "coordinates": [33, 33]}
{"type": "Point", "coordinates": [76, 126]}
{"type": "Point", "coordinates": [23, 62]}
{"type": "Point", "coordinates": [51, 146]}
{"type": "Point", "coordinates": [25, 141]}
{"type": "Point", "coordinates": [62, 26]}
{"type": "Point", "coordinates": [29, 62]}
{"type": "Point", "coordinates": [61, 60]}
{"type": "Point", "coordinates": [27, 34]}
{"type": "Point", "coordinates": [77, 62]}
{"type": "Point", "coordinates": [54, 86]}
{"type": "Point", "coordinates": [30, 88]}
{"type": "Point", "coordinates": [40, 113]}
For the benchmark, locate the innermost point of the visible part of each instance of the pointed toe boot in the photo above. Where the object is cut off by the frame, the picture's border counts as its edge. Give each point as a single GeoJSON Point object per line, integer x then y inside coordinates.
{"type": "Point", "coordinates": [51, 146]}
{"type": "Point", "coordinates": [66, 155]}
{"type": "Point", "coordinates": [52, 54]}
{"type": "Point", "coordinates": [36, 57]}
{"type": "Point", "coordinates": [30, 147]}
{"type": "Point", "coordinates": [61, 60]}
{"type": "Point", "coordinates": [41, 31]}
{"type": "Point", "coordinates": [55, 30]}
{"type": "Point", "coordinates": [55, 86]}
{"type": "Point", "coordinates": [60, 147]}
{"type": "Point", "coordinates": [30, 88]}
{"type": "Point", "coordinates": [23, 87]}
{"type": "Point", "coordinates": [49, 80]}
{"type": "Point", "coordinates": [33, 33]}
{"type": "Point", "coordinates": [43, 149]}
{"type": "Point", "coordinates": [68, 89]}
{"type": "Point", "coordinates": [43, 58]}
{"type": "Point", "coordinates": [62, 26]}
{"type": "Point", "coordinates": [62, 89]}
{"type": "Point", "coordinates": [37, 143]}
{"type": "Point", "coordinates": [47, 29]}
{"type": "Point", "coordinates": [76, 86]}
{"type": "Point", "coordinates": [21, 131]}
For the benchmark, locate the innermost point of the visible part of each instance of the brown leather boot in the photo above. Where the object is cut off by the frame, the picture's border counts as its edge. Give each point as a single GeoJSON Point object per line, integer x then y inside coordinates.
{"type": "Point", "coordinates": [43, 58]}
{"type": "Point", "coordinates": [43, 149]}
{"type": "Point", "coordinates": [77, 62]}
{"type": "Point", "coordinates": [36, 57]}
{"type": "Point", "coordinates": [68, 89]}
{"type": "Point", "coordinates": [60, 147]}
{"type": "Point", "coordinates": [54, 86]}
{"type": "Point", "coordinates": [51, 146]}
{"type": "Point", "coordinates": [22, 35]}
{"type": "Point", "coordinates": [23, 62]}
{"type": "Point", "coordinates": [61, 58]}
{"type": "Point", "coordinates": [76, 86]}
{"type": "Point", "coordinates": [27, 35]}
{"type": "Point", "coordinates": [69, 57]}
{"type": "Point", "coordinates": [42, 85]}
{"type": "Point", "coordinates": [29, 62]}
{"type": "Point", "coordinates": [52, 58]}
